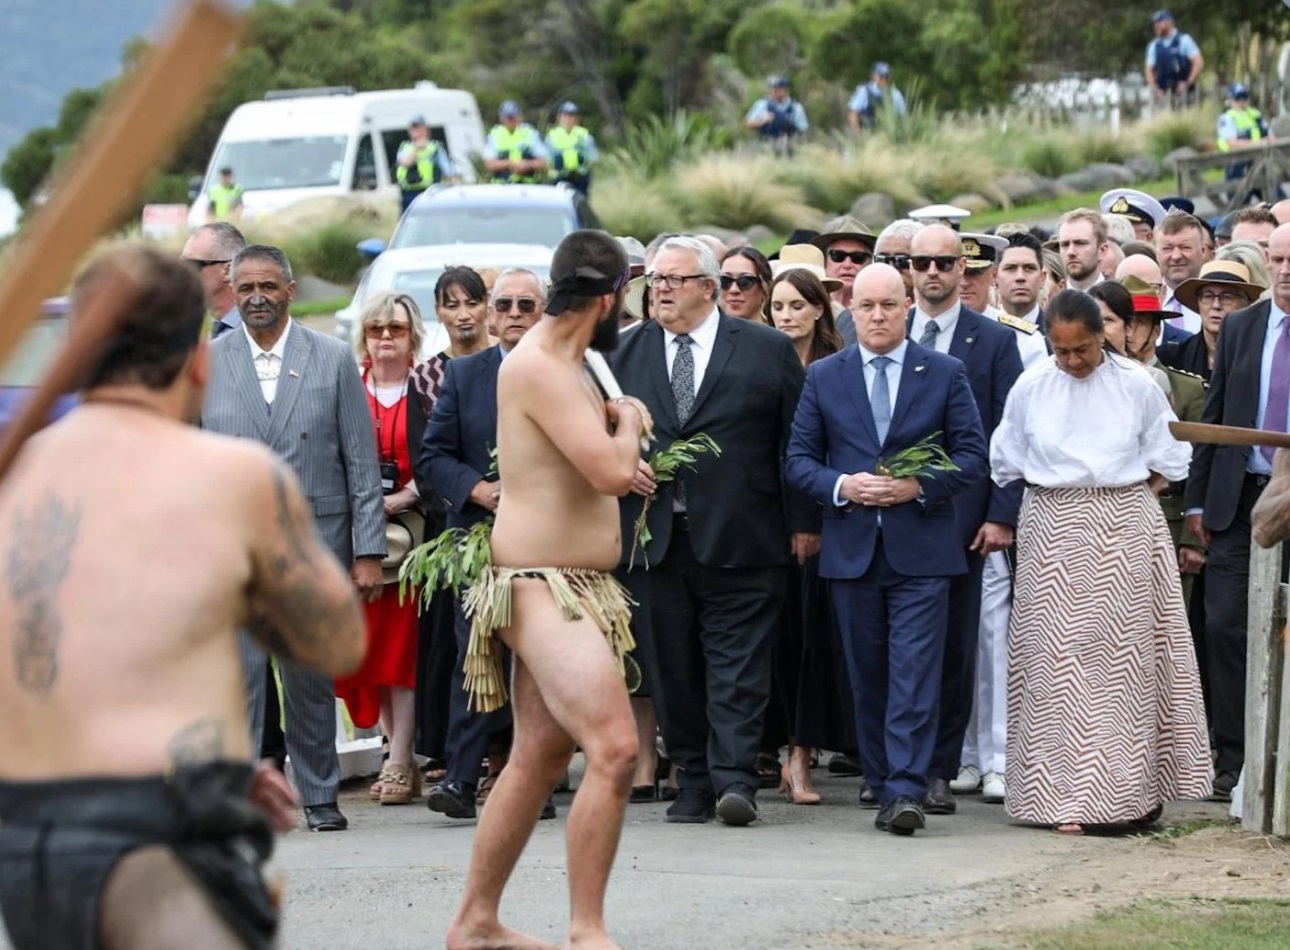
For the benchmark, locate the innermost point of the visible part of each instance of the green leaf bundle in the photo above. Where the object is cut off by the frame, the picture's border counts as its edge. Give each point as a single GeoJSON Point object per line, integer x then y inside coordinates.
{"type": "Point", "coordinates": [667, 463]}
{"type": "Point", "coordinates": [451, 561]}
{"type": "Point", "coordinates": [927, 456]}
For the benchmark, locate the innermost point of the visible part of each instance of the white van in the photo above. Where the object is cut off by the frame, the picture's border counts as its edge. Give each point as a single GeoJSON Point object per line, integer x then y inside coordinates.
{"type": "Point", "coordinates": [304, 143]}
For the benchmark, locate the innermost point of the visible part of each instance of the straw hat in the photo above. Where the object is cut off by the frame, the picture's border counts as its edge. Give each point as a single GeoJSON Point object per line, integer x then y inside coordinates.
{"type": "Point", "coordinates": [805, 257]}
{"type": "Point", "coordinates": [1228, 273]}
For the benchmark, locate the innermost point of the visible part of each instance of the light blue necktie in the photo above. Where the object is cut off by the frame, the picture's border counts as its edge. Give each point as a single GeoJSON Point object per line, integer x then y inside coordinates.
{"type": "Point", "coordinates": [880, 398]}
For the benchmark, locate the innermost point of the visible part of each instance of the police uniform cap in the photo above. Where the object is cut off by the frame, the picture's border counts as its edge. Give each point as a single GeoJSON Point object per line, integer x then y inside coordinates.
{"type": "Point", "coordinates": [1178, 203]}
{"type": "Point", "coordinates": [569, 108]}
{"type": "Point", "coordinates": [1238, 91]}
{"type": "Point", "coordinates": [777, 82]}
{"type": "Point", "coordinates": [981, 251]}
{"type": "Point", "coordinates": [509, 109]}
{"type": "Point", "coordinates": [1135, 205]}
{"type": "Point", "coordinates": [416, 120]}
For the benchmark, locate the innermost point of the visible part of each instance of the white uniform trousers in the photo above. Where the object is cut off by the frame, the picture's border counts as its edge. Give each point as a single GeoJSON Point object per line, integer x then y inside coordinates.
{"type": "Point", "coordinates": [986, 742]}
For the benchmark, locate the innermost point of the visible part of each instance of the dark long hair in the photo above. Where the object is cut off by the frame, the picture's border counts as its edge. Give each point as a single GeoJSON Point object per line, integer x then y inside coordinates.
{"type": "Point", "coordinates": [826, 340]}
{"type": "Point", "coordinates": [761, 268]}
{"type": "Point", "coordinates": [1119, 301]}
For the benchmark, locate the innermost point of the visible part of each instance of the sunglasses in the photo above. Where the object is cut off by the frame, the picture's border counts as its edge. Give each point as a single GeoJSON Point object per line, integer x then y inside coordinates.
{"type": "Point", "coordinates": [525, 305]}
{"type": "Point", "coordinates": [944, 262]}
{"type": "Point", "coordinates": [898, 261]}
{"type": "Point", "coordinates": [855, 257]}
{"type": "Point", "coordinates": [397, 331]}
{"type": "Point", "coordinates": [745, 282]}
{"type": "Point", "coordinates": [199, 264]}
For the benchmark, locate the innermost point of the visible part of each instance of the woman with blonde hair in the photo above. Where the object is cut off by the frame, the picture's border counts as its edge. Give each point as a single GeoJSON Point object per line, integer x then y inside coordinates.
{"type": "Point", "coordinates": [383, 690]}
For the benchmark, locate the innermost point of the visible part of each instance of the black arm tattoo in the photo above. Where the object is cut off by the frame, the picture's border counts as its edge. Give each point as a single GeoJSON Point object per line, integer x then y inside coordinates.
{"type": "Point", "coordinates": [40, 551]}
{"type": "Point", "coordinates": [197, 743]}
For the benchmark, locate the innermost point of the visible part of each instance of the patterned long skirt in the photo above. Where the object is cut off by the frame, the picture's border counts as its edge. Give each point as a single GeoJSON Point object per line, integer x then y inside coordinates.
{"type": "Point", "coordinates": [1105, 715]}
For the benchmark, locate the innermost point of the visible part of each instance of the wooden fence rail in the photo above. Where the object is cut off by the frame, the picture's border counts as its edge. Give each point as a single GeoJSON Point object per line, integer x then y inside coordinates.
{"type": "Point", "coordinates": [1269, 166]}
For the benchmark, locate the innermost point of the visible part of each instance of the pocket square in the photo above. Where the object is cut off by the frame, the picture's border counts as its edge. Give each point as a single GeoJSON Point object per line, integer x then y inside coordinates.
{"type": "Point", "coordinates": [292, 373]}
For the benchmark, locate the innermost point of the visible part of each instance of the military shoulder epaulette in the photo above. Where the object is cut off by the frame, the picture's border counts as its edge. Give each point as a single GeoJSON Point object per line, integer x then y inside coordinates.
{"type": "Point", "coordinates": [1018, 323]}
{"type": "Point", "coordinates": [1183, 372]}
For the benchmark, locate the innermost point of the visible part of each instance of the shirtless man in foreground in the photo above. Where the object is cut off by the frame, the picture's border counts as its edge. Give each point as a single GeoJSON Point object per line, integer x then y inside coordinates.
{"type": "Point", "coordinates": [565, 456]}
{"type": "Point", "coordinates": [130, 813]}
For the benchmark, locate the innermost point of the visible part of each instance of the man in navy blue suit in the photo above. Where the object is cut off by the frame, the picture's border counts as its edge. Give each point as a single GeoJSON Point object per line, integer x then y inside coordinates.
{"type": "Point", "coordinates": [457, 452]}
{"type": "Point", "coordinates": [987, 514]}
{"type": "Point", "coordinates": [889, 545]}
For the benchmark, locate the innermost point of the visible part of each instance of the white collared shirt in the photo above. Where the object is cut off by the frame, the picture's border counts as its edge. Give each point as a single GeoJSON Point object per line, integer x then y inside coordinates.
{"type": "Point", "coordinates": [1188, 318]}
{"type": "Point", "coordinates": [893, 371]}
{"type": "Point", "coordinates": [946, 321]}
{"type": "Point", "coordinates": [704, 337]}
{"type": "Point", "coordinates": [268, 363]}
{"type": "Point", "coordinates": [1100, 278]}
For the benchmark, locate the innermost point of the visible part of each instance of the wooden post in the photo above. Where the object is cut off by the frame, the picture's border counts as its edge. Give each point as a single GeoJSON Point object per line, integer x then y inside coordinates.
{"type": "Point", "coordinates": [1265, 669]}
{"type": "Point", "coordinates": [1281, 766]}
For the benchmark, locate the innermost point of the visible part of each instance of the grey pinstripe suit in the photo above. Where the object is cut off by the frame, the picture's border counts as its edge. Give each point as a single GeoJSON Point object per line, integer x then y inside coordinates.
{"type": "Point", "coordinates": [320, 425]}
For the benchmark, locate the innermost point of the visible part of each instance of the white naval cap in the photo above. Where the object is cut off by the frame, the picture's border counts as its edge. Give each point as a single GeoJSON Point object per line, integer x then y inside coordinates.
{"type": "Point", "coordinates": [940, 214]}
{"type": "Point", "coordinates": [1137, 206]}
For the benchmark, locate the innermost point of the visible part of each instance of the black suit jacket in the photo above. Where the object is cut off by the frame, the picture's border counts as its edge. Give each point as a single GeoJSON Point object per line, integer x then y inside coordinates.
{"type": "Point", "coordinates": [988, 351]}
{"type": "Point", "coordinates": [739, 508]}
{"type": "Point", "coordinates": [1218, 471]}
{"type": "Point", "coordinates": [461, 433]}
{"type": "Point", "coordinates": [1191, 355]}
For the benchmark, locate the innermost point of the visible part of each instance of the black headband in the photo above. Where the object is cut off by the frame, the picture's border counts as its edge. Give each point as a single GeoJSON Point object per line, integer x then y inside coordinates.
{"type": "Point", "coordinates": [583, 282]}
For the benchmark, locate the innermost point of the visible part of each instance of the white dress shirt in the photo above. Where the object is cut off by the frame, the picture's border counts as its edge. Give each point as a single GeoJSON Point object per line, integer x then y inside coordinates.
{"type": "Point", "coordinates": [704, 337]}
{"type": "Point", "coordinates": [268, 363]}
{"type": "Point", "coordinates": [1187, 318]}
{"type": "Point", "coordinates": [893, 370]}
{"type": "Point", "coordinates": [1107, 430]}
{"type": "Point", "coordinates": [946, 321]}
{"type": "Point", "coordinates": [1100, 277]}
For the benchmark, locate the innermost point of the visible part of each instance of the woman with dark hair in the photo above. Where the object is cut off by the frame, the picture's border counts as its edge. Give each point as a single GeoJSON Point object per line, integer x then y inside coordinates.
{"type": "Point", "coordinates": [1105, 717]}
{"type": "Point", "coordinates": [811, 698]}
{"type": "Point", "coordinates": [461, 306]}
{"type": "Point", "coordinates": [745, 283]}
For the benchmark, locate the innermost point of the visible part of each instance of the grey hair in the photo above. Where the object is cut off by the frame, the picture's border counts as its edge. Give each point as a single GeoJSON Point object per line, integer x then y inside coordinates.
{"type": "Point", "coordinates": [1251, 255]}
{"type": "Point", "coordinates": [228, 240]}
{"type": "Point", "coordinates": [1119, 228]}
{"type": "Point", "coordinates": [263, 252]}
{"type": "Point", "coordinates": [904, 228]}
{"type": "Point", "coordinates": [706, 260]}
{"type": "Point", "coordinates": [519, 272]}
{"type": "Point", "coordinates": [381, 307]}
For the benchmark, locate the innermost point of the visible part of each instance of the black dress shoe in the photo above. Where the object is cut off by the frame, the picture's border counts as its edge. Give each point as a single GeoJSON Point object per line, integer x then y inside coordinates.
{"type": "Point", "coordinates": [868, 800]}
{"type": "Point", "coordinates": [548, 810]}
{"type": "Point", "coordinates": [939, 800]}
{"type": "Point", "coordinates": [452, 799]}
{"type": "Point", "coordinates": [737, 806]}
{"type": "Point", "coordinates": [1224, 782]}
{"type": "Point", "coordinates": [901, 816]}
{"type": "Point", "coordinates": [843, 764]}
{"type": "Point", "coordinates": [693, 806]}
{"type": "Point", "coordinates": [325, 818]}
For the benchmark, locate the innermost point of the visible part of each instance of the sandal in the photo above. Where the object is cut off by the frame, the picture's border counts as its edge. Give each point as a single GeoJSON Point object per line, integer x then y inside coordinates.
{"type": "Point", "coordinates": [435, 770]}
{"type": "Point", "coordinates": [402, 784]}
{"type": "Point", "coordinates": [374, 793]}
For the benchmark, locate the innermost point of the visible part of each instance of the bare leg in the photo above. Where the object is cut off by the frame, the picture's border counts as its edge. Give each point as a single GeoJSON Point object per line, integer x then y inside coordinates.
{"type": "Point", "coordinates": [152, 902]}
{"type": "Point", "coordinates": [646, 730]}
{"type": "Point", "coordinates": [402, 724]}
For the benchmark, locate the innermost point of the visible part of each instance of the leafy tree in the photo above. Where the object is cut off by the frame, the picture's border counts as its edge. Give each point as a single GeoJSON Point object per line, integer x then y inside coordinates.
{"type": "Point", "coordinates": [28, 162]}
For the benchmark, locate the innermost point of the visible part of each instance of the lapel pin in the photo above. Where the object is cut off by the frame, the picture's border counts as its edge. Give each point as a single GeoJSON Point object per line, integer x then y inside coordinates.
{"type": "Point", "coordinates": [293, 374]}
{"type": "Point", "coordinates": [920, 367]}
{"type": "Point", "coordinates": [969, 340]}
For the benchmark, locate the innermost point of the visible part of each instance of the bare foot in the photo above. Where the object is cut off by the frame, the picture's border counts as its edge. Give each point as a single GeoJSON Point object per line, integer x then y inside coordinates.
{"type": "Point", "coordinates": [495, 937]}
{"type": "Point", "coordinates": [598, 941]}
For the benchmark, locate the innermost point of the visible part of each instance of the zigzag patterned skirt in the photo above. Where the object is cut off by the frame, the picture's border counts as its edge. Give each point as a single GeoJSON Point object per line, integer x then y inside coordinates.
{"type": "Point", "coordinates": [1105, 715]}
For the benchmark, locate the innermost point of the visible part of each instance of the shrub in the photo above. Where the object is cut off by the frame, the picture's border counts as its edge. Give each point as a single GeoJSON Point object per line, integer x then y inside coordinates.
{"type": "Point", "coordinates": [1172, 130]}
{"type": "Point", "coordinates": [1102, 147]}
{"type": "Point", "coordinates": [642, 209]}
{"type": "Point", "coordinates": [653, 147]}
{"type": "Point", "coordinates": [1050, 158]}
{"type": "Point", "coordinates": [328, 251]}
{"type": "Point", "coordinates": [733, 192]}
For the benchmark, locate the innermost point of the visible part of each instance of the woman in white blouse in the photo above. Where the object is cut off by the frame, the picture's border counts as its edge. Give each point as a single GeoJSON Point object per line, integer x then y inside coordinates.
{"type": "Point", "coordinates": [1105, 717]}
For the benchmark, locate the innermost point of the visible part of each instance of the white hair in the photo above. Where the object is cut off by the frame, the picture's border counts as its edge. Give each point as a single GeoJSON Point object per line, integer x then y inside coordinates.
{"type": "Point", "coordinates": [706, 260]}
{"type": "Point", "coordinates": [904, 228]}
{"type": "Point", "coordinates": [1119, 228]}
{"type": "Point", "coordinates": [520, 272]}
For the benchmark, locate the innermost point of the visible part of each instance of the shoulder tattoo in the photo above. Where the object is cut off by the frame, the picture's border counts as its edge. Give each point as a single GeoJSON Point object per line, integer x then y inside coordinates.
{"type": "Point", "coordinates": [42, 538]}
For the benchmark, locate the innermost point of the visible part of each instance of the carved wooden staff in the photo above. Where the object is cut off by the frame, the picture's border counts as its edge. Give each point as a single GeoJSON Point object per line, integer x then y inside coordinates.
{"type": "Point", "coordinates": [1227, 435]}
{"type": "Point", "coordinates": [128, 139]}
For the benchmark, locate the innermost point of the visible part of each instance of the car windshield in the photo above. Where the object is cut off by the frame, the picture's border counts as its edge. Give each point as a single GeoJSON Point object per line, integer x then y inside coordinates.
{"type": "Point", "coordinates": [304, 162]}
{"type": "Point", "coordinates": [483, 225]}
{"type": "Point", "coordinates": [27, 365]}
{"type": "Point", "coordinates": [419, 284]}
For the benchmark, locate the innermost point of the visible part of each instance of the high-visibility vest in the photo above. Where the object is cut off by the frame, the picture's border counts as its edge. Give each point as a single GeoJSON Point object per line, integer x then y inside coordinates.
{"type": "Point", "coordinates": [516, 146]}
{"type": "Point", "coordinates": [224, 197]}
{"type": "Point", "coordinates": [568, 147]}
{"type": "Point", "coordinates": [1249, 125]}
{"type": "Point", "coordinates": [427, 167]}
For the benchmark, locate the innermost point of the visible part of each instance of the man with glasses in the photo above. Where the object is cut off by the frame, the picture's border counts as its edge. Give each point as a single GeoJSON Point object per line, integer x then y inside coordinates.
{"type": "Point", "coordinates": [722, 533]}
{"type": "Point", "coordinates": [457, 452]}
{"type": "Point", "coordinates": [211, 249]}
{"type": "Point", "coordinates": [1081, 241]}
{"type": "Point", "coordinates": [848, 246]}
{"type": "Point", "coordinates": [892, 248]}
{"type": "Point", "coordinates": [987, 514]}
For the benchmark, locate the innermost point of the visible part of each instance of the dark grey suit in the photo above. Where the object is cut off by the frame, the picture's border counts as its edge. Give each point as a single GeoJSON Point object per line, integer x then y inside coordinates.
{"type": "Point", "coordinates": [321, 426]}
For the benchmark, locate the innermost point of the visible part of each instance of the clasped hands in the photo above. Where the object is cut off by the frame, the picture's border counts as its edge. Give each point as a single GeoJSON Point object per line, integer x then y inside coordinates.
{"type": "Point", "coordinates": [879, 491]}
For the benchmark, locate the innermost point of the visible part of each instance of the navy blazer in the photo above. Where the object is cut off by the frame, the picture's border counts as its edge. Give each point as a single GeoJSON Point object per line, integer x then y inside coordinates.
{"type": "Point", "coordinates": [461, 432]}
{"type": "Point", "coordinates": [1173, 334]}
{"type": "Point", "coordinates": [988, 351]}
{"type": "Point", "coordinates": [834, 435]}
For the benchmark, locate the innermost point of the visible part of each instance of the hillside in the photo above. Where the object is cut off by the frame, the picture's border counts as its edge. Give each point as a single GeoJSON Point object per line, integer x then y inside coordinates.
{"type": "Point", "coordinates": [48, 47]}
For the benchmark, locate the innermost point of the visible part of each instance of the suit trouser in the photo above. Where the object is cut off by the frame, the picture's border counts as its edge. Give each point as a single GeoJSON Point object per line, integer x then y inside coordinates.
{"type": "Point", "coordinates": [986, 743]}
{"type": "Point", "coordinates": [310, 700]}
{"type": "Point", "coordinates": [958, 670]}
{"type": "Point", "coordinates": [893, 631]}
{"type": "Point", "coordinates": [468, 731]}
{"type": "Point", "coordinates": [706, 635]}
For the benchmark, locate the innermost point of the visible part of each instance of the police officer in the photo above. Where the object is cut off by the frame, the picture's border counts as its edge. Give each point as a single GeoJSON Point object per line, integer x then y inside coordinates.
{"type": "Point", "coordinates": [1139, 207]}
{"type": "Point", "coordinates": [420, 162]}
{"type": "Point", "coordinates": [514, 152]}
{"type": "Point", "coordinates": [877, 94]}
{"type": "Point", "coordinates": [777, 117]}
{"type": "Point", "coordinates": [572, 149]}
{"type": "Point", "coordinates": [1240, 123]}
{"type": "Point", "coordinates": [1173, 60]}
{"type": "Point", "coordinates": [225, 198]}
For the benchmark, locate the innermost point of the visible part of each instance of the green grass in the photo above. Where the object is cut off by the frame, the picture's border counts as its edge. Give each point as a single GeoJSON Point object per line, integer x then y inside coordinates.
{"type": "Point", "coordinates": [1185, 828]}
{"type": "Point", "coordinates": [1055, 208]}
{"type": "Point", "coordinates": [1175, 925]}
{"type": "Point", "coordinates": [319, 307]}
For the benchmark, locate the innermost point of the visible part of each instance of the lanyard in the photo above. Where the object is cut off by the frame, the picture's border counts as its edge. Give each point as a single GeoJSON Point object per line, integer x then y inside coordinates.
{"type": "Point", "coordinates": [377, 411]}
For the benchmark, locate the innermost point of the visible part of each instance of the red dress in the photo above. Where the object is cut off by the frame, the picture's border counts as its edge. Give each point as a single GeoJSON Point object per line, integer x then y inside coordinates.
{"type": "Point", "coordinates": [392, 628]}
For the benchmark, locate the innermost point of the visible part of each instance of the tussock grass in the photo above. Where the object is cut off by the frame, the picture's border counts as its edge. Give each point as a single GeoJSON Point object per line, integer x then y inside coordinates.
{"type": "Point", "coordinates": [1050, 157]}
{"type": "Point", "coordinates": [328, 251]}
{"type": "Point", "coordinates": [1172, 130]}
{"type": "Point", "coordinates": [642, 209]}
{"type": "Point", "coordinates": [733, 192]}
